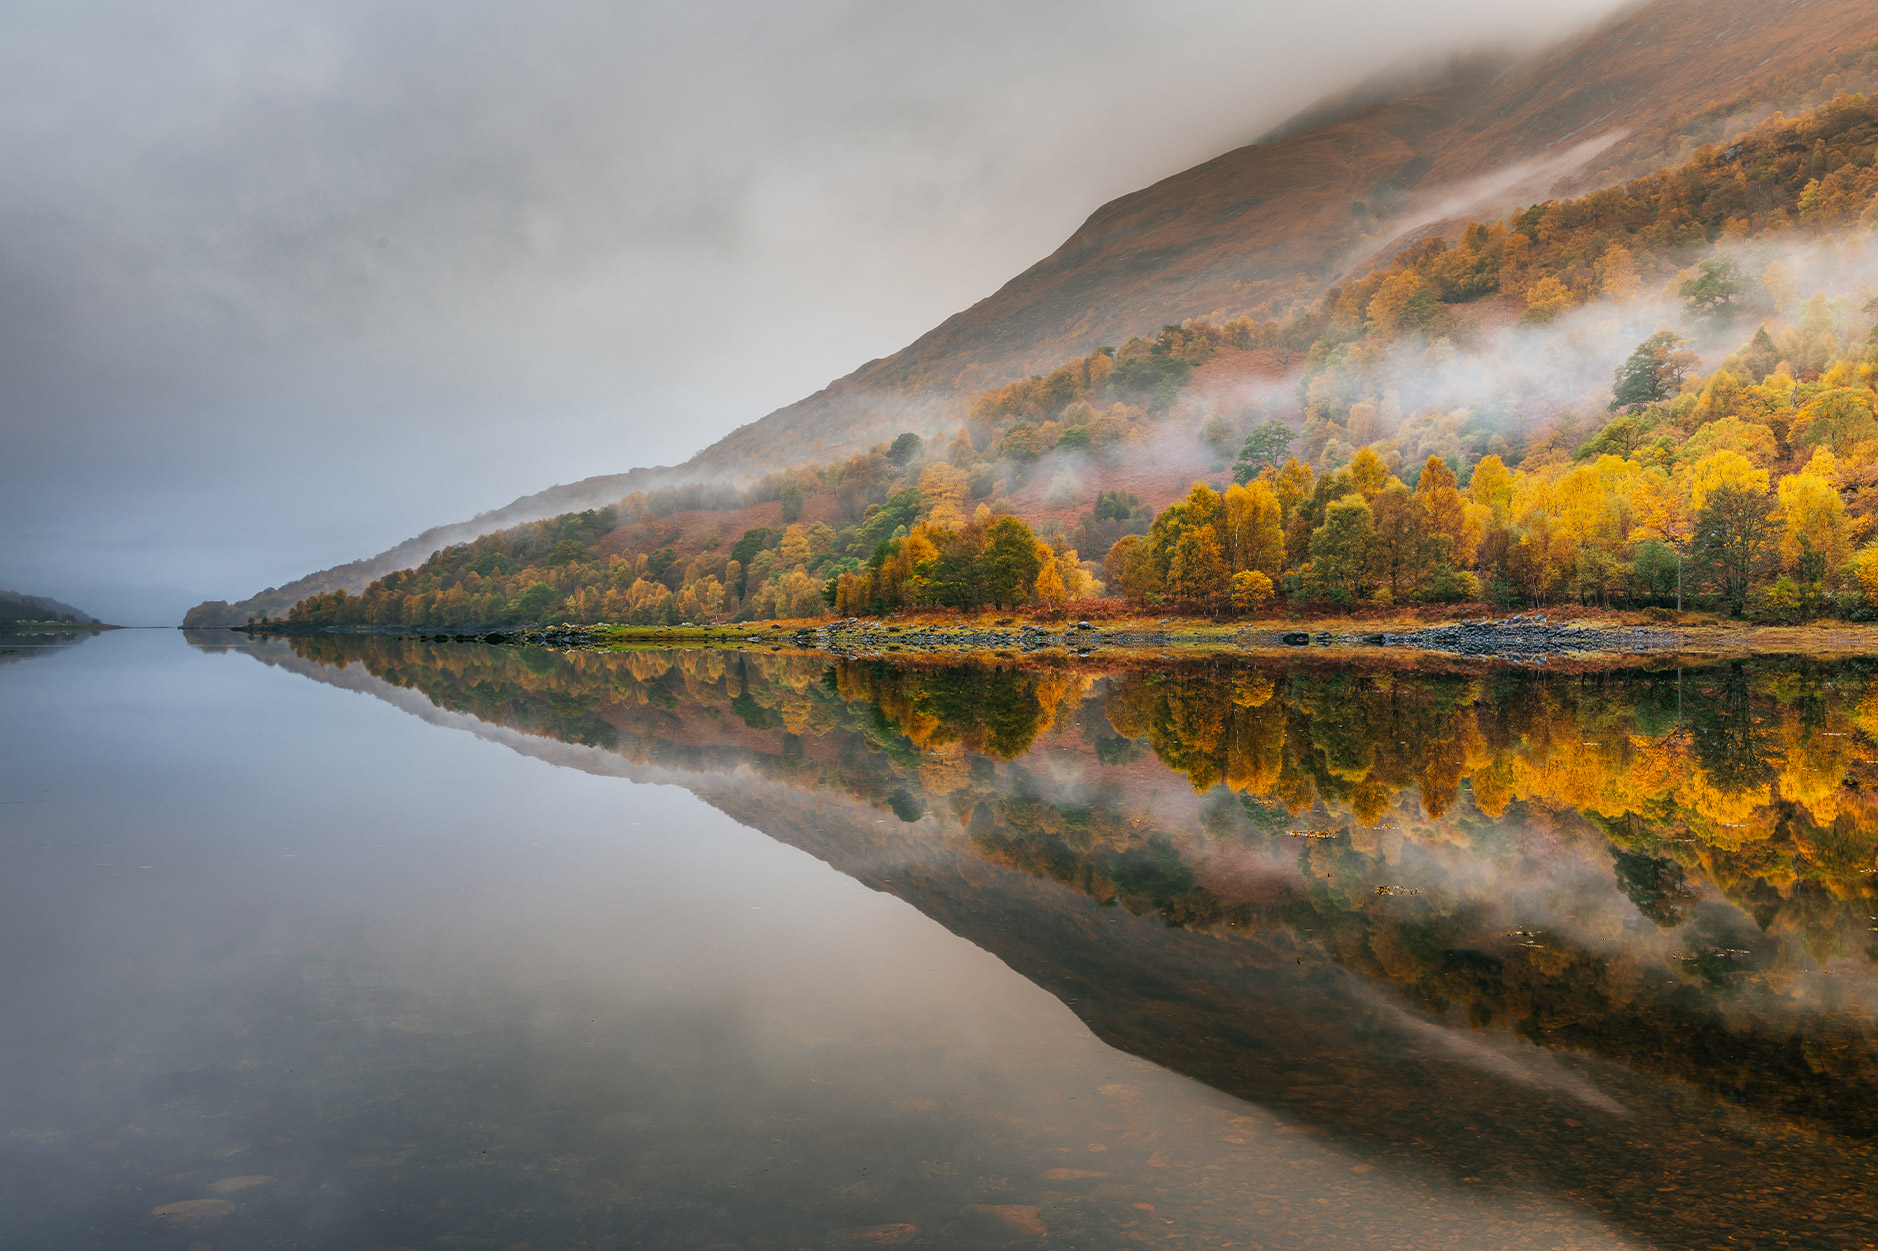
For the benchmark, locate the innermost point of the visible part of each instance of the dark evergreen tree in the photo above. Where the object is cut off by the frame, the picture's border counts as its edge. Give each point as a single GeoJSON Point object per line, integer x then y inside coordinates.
{"type": "Point", "coordinates": [1653, 372]}
{"type": "Point", "coordinates": [1268, 444]}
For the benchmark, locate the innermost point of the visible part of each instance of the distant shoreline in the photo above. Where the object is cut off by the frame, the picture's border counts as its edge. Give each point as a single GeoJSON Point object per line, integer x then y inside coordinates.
{"type": "Point", "coordinates": [56, 627]}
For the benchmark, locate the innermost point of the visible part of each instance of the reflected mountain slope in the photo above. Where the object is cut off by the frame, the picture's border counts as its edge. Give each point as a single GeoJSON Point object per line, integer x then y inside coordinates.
{"type": "Point", "coordinates": [1606, 936]}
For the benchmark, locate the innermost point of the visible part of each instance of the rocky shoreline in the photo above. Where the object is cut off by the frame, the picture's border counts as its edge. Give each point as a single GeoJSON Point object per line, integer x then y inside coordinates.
{"type": "Point", "coordinates": [1527, 638]}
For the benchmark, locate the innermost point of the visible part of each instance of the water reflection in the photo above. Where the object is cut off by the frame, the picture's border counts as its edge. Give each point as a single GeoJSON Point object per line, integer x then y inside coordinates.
{"type": "Point", "coordinates": [287, 966]}
{"type": "Point", "coordinates": [16, 646]}
{"type": "Point", "coordinates": [1605, 937]}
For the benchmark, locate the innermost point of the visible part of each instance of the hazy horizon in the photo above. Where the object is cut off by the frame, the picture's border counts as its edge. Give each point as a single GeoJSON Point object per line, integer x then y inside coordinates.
{"type": "Point", "coordinates": [287, 286]}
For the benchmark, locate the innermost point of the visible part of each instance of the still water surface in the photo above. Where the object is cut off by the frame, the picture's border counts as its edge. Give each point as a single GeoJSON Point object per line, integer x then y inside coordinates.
{"type": "Point", "coordinates": [374, 943]}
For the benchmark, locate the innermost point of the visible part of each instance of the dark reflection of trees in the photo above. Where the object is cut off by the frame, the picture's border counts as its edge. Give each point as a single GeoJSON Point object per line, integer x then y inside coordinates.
{"type": "Point", "coordinates": [1656, 884]}
{"type": "Point", "coordinates": [995, 709]}
{"type": "Point", "coordinates": [1728, 740]}
{"type": "Point", "coordinates": [535, 691]}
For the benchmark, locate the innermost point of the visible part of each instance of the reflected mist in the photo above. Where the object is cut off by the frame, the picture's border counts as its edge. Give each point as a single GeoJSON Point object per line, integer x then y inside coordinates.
{"type": "Point", "coordinates": [1393, 957]}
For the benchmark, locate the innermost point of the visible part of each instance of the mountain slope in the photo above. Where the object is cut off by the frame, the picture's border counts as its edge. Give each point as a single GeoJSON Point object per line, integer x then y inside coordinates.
{"type": "Point", "coordinates": [16, 606]}
{"type": "Point", "coordinates": [1255, 228]}
{"type": "Point", "coordinates": [1260, 228]}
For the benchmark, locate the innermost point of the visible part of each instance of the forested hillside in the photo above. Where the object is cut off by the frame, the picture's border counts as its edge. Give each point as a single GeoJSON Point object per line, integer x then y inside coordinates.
{"type": "Point", "coordinates": [1355, 479]}
{"type": "Point", "coordinates": [353, 575]}
{"type": "Point", "coordinates": [16, 607]}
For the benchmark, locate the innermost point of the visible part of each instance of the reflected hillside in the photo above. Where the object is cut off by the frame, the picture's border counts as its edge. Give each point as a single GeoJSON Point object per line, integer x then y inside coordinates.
{"type": "Point", "coordinates": [1587, 932]}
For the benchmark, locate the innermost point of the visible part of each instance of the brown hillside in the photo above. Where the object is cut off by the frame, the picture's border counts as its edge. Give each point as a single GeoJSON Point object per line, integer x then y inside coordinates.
{"type": "Point", "coordinates": [1256, 228]}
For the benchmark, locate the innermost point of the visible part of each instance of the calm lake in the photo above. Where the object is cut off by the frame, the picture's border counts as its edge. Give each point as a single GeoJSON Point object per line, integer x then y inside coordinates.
{"type": "Point", "coordinates": [382, 943]}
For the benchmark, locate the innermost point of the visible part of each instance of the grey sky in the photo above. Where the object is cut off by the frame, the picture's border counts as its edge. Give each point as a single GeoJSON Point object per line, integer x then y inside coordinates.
{"type": "Point", "coordinates": [281, 285]}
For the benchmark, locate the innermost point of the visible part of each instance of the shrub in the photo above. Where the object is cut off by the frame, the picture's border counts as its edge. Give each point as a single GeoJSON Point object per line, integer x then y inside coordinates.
{"type": "Point", "coordinates": [1779, 603]}
{"type": "Point", "coordinates": [1251, 590]}
{"type": "Point", "coordinates": [1865, 574]}
{"type": "Point", "coordinates": [1454, 586]}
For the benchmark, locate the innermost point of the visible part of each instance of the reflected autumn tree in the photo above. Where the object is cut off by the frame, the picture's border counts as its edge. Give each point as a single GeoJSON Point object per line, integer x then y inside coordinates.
{"type": "Point", "coordinates": [996, 710]}
{"type": "Point", "coordinates": [1756, 778]}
